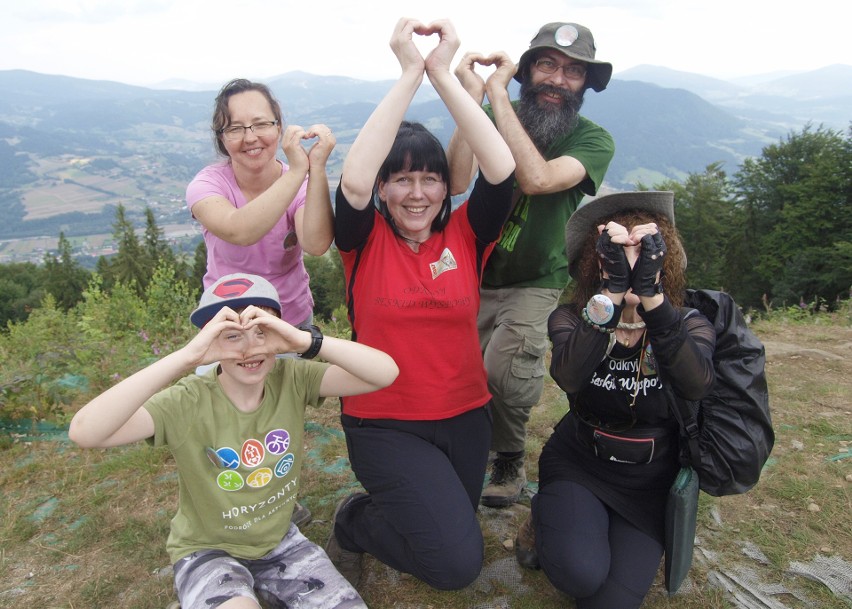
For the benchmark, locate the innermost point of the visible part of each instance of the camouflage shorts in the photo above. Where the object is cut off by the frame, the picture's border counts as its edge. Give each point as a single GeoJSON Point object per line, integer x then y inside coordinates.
{"type": "Point", "coordinates": [297, 573]}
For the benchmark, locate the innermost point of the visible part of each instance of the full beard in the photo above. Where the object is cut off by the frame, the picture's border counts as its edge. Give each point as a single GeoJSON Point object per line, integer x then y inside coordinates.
{"type": "Point", "coordinates": [544, 123]}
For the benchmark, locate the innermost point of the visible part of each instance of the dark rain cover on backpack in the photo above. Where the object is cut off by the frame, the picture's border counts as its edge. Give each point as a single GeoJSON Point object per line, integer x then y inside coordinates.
{"type": "Point", "coordinates": [728, 435]}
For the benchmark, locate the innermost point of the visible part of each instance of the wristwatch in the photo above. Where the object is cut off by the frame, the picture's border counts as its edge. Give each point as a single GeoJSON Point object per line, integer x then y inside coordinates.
{"type": "Point", "coordinates": [316, 342]}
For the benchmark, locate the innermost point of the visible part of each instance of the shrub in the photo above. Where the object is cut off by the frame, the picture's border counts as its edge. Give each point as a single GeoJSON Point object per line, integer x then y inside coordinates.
{"type": "Point", "coordinates": [40, 369]}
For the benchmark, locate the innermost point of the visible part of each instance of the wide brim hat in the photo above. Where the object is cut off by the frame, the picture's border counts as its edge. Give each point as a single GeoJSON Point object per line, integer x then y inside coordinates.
{"type": "Point", "coordinates": [235, 291]}
{"type": "Point", "coordinates": [572, 40]}
{"type": "Point", "coordinates": [592, 213]}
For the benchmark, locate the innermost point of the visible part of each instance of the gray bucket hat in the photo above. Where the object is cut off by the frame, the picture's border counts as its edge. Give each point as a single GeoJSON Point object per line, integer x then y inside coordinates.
{"type": "Point", "coordinates": [234, 291]}
{"type": "Point", "coordinates": [572, 40]}
{"type": "Point", "coordinates": [591, 214]}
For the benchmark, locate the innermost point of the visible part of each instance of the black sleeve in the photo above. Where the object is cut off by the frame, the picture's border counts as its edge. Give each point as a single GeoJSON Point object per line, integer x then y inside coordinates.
{"type": "Point", "coordinates": [351, 226]}
{"type": "Point", "coordinates": [683, 346]}
{"type": "Point", "coordinates": [489, 206]}
{"type": "Point", "coordinates": [578, 349]}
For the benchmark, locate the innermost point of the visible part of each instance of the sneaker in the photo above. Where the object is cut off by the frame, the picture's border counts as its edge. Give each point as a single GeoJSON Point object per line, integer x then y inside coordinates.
{"type": "Point", "coordinates": [348, 563]}
{"type": "Point", "coordinates": [301, 515]}
{"type": "Point", "coordinates": [525, 551]}
{"type": "Point", "coordinates": [507, 481]}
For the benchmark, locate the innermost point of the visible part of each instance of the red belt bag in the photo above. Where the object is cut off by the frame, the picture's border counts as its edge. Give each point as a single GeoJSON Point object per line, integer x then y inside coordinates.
{"type": "Point", "coordinates": [621, 449]}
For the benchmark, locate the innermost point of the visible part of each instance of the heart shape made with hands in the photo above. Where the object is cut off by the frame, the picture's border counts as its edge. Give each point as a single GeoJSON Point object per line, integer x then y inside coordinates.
{"type": "Point", "coordinates": [310, 137]}
{"type": "Point", "coordinates": [483, 65]}
{"type": "Point", "coordinates": [307, 143]}
{"type": "Point", "coordinates": [489, 63]}
{"type": "Point", "coordinates": [313, 134]}
{"type": "Point", "coordinates": [422, 34]}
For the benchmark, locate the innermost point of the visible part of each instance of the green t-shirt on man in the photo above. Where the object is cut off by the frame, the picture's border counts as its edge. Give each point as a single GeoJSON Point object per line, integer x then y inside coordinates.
{"type": "Point", "coordinates": [531, 249]}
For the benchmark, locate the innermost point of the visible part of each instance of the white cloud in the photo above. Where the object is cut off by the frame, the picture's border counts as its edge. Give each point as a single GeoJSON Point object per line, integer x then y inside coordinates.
{"type": "Point", "coordinates": [83, 11]}
{"type": "Point", "coordinates": [211, 41]}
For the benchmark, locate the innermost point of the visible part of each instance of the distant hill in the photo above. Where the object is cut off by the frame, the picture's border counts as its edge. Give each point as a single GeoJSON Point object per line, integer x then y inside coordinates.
{"type": "Point", "coordinates": [706, 87]}
{"type": "Point", "coordinates": [299, 91]}
{"type": "Point", "coordinates": [72, 149]}
{"type": "Point", "coordinates": [786, 100]}
{"type": "Point", "coordinates": [666, 133]}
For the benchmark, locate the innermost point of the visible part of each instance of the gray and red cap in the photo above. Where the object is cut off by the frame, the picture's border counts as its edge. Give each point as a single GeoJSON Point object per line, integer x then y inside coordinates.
{"type": "Point", "coordinates": [235, 291]}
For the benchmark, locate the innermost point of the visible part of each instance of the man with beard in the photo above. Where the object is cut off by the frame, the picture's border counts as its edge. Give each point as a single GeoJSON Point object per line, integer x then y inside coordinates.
{"type": "Point", "coordinates": [560, 157]}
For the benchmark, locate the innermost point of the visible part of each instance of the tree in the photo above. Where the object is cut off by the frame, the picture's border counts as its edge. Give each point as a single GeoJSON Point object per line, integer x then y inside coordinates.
{"type": "Point", "coordinates": [327, 283]}
{"type": "Point", "coordinates": [21, 291]}
{"type": "Point", "coordinates": [65, 279]}
{"type": "Point", "coordinates": [156, 248]}
{"type": "Point", "coordinates": [131, 264]}
{"type": "Point", "coordinates": [796, 204]}
{"type": "Point", "coordinates": [199, 264]}
{"type": "Point", "coordinates": [705, 215]}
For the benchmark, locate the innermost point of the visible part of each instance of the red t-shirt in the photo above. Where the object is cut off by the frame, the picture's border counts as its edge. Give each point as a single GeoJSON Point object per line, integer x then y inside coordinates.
{"type": "Point", "coordinates": [421, 308]}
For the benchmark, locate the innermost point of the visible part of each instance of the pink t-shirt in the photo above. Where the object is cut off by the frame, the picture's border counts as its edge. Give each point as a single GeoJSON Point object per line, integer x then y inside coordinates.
{"type": "Point", "coordinates": [276, 257]}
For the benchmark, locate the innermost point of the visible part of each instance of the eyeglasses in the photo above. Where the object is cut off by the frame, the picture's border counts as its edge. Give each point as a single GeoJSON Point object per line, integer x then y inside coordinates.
{"type": "Point", "coordinates": [573, 71]}
{"type": "Point", "coordinates": [238, 132]}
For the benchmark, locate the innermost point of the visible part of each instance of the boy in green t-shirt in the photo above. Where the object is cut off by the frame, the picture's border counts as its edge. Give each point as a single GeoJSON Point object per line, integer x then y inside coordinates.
{"type": "Point", "coordinates": [236, 436]}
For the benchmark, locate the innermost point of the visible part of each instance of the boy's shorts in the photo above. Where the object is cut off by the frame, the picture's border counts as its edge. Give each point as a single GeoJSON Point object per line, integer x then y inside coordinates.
{"type": "Point", "coordinates": [297, 573]}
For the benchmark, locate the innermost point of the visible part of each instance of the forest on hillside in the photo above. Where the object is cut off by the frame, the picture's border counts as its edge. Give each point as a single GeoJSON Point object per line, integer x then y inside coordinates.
{"type": "Point", "coordinates": [776, 234]}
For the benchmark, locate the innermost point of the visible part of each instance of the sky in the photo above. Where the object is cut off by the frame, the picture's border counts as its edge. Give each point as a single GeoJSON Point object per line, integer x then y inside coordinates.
{"type": "Point", "coordinates": [149, 42]}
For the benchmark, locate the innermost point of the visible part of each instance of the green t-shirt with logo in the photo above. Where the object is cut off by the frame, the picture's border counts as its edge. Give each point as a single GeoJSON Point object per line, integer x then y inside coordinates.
{"type": "Point", "coordinates": [238, 472]}
{"type": "Point", "coordinates": [531, 249]}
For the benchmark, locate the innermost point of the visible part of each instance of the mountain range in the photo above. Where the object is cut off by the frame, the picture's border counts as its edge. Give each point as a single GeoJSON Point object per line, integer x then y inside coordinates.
{"type": "Point", "coordinates": [72, 149]}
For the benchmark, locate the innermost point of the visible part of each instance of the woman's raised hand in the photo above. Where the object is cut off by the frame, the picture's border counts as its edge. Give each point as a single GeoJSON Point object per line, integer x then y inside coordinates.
{"type": "Point", "coordinates": [291, 144]}
{"type": "Point", "coordinates": [321, 149]}
{"type": "Point", "coordinates": [402, 44]}
{"type": "Point", "coordinates": [300, 159]}
{"type": "Point", "coordinates": [441, 56]}
{"type": "Point", "coordinates": [645, 280]}
{"type": "Point", "coordinates": [612, 257]}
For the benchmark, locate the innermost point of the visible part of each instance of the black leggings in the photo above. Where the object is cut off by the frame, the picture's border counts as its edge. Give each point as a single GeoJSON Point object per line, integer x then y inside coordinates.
{"type": "Point", "coordinates": [589, 552]}
{"type": "Point", "coordinates": [424, 479]}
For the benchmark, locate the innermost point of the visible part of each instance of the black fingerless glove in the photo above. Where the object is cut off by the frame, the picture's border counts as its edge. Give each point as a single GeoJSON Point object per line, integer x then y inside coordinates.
{"type": "Point", "coordinates": [643, 280]}
{"type": "Point", "coordinates": [613, 263]}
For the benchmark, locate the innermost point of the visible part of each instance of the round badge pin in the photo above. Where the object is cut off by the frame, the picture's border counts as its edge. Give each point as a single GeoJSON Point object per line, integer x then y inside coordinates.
{"type": "Point", "coordinates": [600, 309]}
{"type": "Point", "coordinates": [566, 35]}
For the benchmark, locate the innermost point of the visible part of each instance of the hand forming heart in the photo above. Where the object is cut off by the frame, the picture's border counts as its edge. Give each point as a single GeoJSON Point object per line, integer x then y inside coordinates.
{"type": "Point", "coordinates": [473, 82]}
{"type": "Point", "coordinates": [297, 156]}
{"type": "Point", "coordinates": [409, 56]}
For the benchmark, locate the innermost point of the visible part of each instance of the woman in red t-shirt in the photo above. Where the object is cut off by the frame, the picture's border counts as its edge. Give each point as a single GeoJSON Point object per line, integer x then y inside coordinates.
{"type": "Point", "coordinates": [413, 269]}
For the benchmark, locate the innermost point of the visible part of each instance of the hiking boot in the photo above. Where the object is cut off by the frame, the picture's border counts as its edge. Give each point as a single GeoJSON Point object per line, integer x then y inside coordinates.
{"type": "Point", "coordinates": [301, 515]}
{"type": "Point", "coordinates": [525, 551]}
{"type": "Point", "coordinates": [348, 563]}
{"type": "Point", "coordinates": [507, 481]}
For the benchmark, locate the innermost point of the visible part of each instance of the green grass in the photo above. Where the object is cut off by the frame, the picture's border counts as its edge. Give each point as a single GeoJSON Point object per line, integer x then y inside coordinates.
{"type": "Point", "coordinates": [88, 528]}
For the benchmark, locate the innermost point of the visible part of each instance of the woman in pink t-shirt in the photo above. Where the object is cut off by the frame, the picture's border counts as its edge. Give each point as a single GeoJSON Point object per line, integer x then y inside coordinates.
{"type": "Point", "coordinates": [258, 213]}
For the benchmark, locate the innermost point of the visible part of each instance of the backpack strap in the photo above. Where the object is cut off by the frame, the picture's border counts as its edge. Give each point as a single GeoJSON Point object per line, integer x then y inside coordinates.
{"type": "Point", "coordinates": [685, 417]}
{"type": "Point", "coordinates": [689, 429]}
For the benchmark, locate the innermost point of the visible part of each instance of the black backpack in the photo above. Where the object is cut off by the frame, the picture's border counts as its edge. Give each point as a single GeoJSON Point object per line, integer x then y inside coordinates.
{"type": "Point", "coordinates": [727, 436]}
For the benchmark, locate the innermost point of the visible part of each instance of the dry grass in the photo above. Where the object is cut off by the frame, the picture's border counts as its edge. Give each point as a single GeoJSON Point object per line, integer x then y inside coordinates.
{"type": "Point", "coordinates": [88, 528]}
